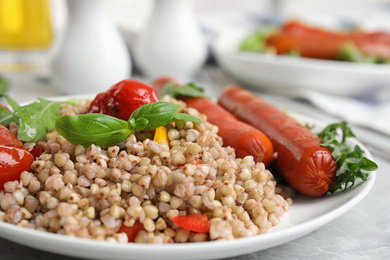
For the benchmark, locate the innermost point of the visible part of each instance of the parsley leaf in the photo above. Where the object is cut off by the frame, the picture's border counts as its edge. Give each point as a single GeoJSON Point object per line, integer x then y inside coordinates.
{"type": "Point", "coordinates": [352, 165]}
{"type": "Point", "coordinates": [35, 120]}
{"type": "Point", "coordinates": [15, 106]}
{"type": "Point", "coordinates": [6, 116]}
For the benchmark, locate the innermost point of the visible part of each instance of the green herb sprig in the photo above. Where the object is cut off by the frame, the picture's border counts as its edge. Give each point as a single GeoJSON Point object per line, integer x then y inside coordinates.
{"type": "Point", "coordinates": [350, 52]}
{"type": "Point", "coordinates": [3, 86]}
{"type": "Point", "coordinates": [352, 165]}
{"type": "Point", "coordinates": [105, 131]}
{"type": "Point", "coordinates": [254, 42]}
{"type": "Point", "coordinates": [187, 90]}
{"type": "Point", "coordinates": [34, 120]}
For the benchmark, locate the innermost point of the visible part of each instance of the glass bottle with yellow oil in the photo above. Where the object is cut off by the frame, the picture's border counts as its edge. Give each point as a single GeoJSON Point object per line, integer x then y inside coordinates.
{"type": "Point", "coordinates": [25, 34]}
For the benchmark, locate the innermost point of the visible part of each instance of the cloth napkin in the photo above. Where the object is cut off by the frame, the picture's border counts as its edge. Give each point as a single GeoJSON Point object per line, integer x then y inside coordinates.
{"type": "Point", "coordinates": [373, 114]}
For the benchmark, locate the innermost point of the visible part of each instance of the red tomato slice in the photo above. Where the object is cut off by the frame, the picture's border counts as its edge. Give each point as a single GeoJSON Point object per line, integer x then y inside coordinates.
{"type": "Point", "coordinates": [195, 222]}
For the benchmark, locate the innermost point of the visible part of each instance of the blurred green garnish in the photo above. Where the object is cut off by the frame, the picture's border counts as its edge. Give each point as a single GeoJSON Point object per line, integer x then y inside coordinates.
{"type": "Point", "coordinates": [3, 86]}
{"type": "Point", "coordinates": [254, 43]}
{"type": "Point", "coordinates": [349, 52]}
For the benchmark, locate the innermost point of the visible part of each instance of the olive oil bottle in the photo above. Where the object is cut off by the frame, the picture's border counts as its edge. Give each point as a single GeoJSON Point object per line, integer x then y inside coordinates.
{"type": "Point", "coordinates": [25, 32]}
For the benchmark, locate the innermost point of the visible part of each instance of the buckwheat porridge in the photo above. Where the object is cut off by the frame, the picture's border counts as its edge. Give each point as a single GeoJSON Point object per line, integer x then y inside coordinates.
{"type": "Point", "coordinates": [91, 192]}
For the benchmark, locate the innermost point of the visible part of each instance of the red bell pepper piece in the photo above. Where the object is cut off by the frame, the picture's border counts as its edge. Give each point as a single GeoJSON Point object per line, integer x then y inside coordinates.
{"type": "Point", "coordinates": [195, 222]}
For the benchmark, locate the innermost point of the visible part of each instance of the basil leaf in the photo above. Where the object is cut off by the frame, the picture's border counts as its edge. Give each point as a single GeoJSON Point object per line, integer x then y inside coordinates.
{"type": "Point", "coordinates": [189, 90]}
{"type": "Point", "coordinates": [35, 120]}
{"type": "Point", "coordinates": [6, 117]}
{"type": "Point", "coordinates": [132, 122]}
{"type": "Point", "coordinates": [3, 86]}
{"type": "Point", "coordinates": [98, 129]}
{"type": "Point", "coordinates": [140, 124]}
{"type": "Point", "coordinates": [168, 89]}
{"type": "Point", "coordinates": [157, 114]}
{"type": "Point", "coordinates": [187, 117]}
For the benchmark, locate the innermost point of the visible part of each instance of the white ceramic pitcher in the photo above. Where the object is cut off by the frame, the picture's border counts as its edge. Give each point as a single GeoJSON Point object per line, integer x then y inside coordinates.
{"type": "Point", "coordinates": [171, 44]}
{"type": "Point", "coordinates": [93, 56]}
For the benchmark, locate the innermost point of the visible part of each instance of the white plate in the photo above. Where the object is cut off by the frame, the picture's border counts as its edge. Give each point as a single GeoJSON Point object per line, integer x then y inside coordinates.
{"type": "Point", "coordinates": [285, 73]}
{"type": "Point", "coordinates": [304, 216]}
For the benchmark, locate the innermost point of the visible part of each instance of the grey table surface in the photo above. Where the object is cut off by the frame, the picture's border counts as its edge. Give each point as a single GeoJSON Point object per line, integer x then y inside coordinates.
{"type": "Point", "coordinates": [361, 233]}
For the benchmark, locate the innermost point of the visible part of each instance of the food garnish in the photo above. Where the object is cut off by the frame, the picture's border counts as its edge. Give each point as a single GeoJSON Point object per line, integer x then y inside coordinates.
{"type": "Point", "coordinates": [349, 52]}
{"type": "Point", "coordinates": [87, 129]}
{"type": "Point", "coordinates": [34, 120]}
{"type": "Point", "coordinates": [188, 90]}
{"type": "Point", "coordinates": [105, 130]}
{"type": "Point", "coordinates": [3, 86]}
{"type": "Point", "coordinates": [352, 164]}
{"type": "Point", "coordinates": [254, 42]}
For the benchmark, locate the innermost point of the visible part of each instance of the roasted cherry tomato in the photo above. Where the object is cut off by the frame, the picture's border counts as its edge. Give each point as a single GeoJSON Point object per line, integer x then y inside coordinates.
{"type": "Point", "coordinates": [123, 98]}
{"type": "Point", "coordinates": [8, 138]}
{"type": "Point", "coordinates": [132, 231]}
{"type": "Point", "coordinates": [14, 159]}
{"type": "Point", "coordinates": [36, 152]}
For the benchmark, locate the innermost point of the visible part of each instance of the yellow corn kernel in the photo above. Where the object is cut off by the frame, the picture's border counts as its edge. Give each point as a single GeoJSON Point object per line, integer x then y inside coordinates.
{"type": "Point", "coordinates": [161, 135]}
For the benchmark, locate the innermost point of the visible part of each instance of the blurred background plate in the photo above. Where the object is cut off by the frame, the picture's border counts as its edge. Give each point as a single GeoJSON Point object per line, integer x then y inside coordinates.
{"type": "Point", "coordinates": [286, 74]}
